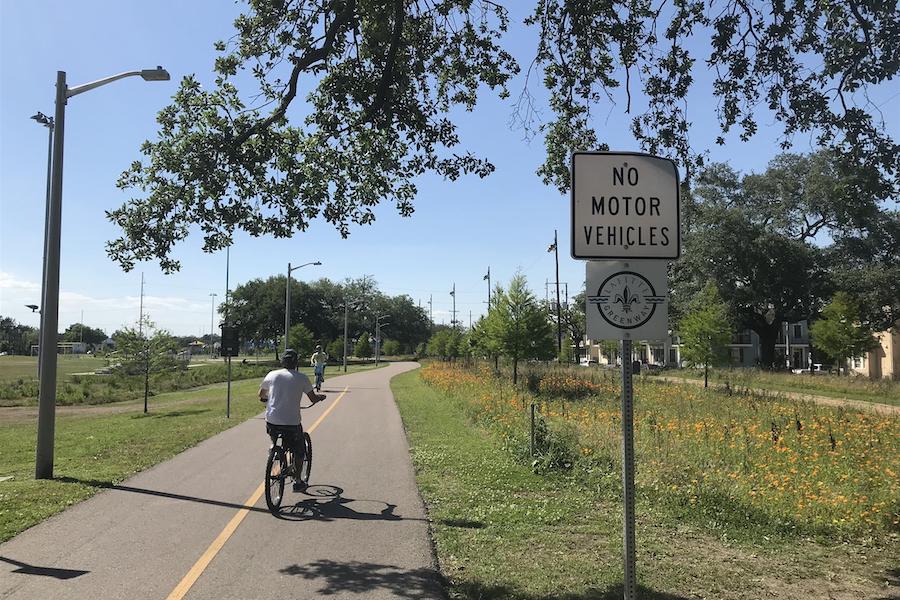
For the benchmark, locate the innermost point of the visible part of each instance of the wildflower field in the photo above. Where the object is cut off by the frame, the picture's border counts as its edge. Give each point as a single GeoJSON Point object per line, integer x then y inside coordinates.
{"type": "Point", "coordinates": [738, 463]}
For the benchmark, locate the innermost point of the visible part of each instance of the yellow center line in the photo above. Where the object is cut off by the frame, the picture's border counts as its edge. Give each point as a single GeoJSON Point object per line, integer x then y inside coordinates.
{"type": "Point", "coordinates": [185, 584]}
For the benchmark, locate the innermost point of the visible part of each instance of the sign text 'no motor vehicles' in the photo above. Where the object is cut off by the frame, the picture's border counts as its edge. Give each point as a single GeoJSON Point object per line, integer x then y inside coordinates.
{"type": "Point", "coordinates": [624, 206]}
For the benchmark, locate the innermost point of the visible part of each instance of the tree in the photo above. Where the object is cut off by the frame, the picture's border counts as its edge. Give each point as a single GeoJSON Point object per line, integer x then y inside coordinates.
{"type": "Point", "coordinates": [146, 350]}
{"type": "Point", "coordinates": [840, 332]}
{"type": "Point", "coordinates": [77, 332]}
{"type": "Point", "coordinates": [300, 338]}
{"type": "Point", "coordinates": [706, 331]}
{"type": "Point", "coordinates": [382, 81]}
{"type": "Point", "coordinates": [391, 348]}
{"type": "Point", "coordinates": [519, 327]}
{"type": "Point", "coordinates": [574, 325]}
{"type": "Point", "coordinates": [15, 338]}
{"type": "Point", "coordinates": [780, 243]}
{"type": "Point", "coordinates": [335, 350]}
{"type": "Point", "coordinates": [363, 348]}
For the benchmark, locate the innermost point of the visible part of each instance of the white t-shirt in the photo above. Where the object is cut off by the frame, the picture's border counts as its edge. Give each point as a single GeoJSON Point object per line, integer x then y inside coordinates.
{"type": "Point", "coordinates": [285, 389]}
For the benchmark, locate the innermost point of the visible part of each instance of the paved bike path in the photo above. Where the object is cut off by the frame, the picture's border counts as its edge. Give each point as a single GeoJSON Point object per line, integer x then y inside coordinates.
{"type": "Point", "coordinates": [360, 532]}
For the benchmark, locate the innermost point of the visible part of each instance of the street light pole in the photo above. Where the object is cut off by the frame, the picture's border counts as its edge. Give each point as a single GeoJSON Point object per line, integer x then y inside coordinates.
{"type": "Point", "coordinates": [558, 313]}
{"type": "Point", "coordinates": [378, 326]}
{"type": "Point", "coordinates": [212, 312]}
{"type": "Point", "coordinates": [43, 468]}
{"type": "Point", "coordinates": [287, 299]}
{"type": "Point", "coordinates": [48, 123]}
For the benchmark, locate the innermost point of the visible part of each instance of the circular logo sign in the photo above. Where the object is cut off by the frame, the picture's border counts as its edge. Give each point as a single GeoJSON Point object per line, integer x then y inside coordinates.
{"type": "Point", "coordinates": [626, 300]}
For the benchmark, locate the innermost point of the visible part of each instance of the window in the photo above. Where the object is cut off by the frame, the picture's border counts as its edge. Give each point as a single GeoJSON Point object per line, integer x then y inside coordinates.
{"type": "Point", "coordinates": [857, 362]}
{"type": "Point", "coordinates": [672, 357]}
{"type": "Point", "coordinates": [797, 332]}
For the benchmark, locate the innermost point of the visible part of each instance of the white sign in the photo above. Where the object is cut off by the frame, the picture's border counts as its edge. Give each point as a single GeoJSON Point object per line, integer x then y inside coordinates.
{"type": "Point", "coordinates": [624, 206]}
{"type": "Point", "coordinates": [627, 300]}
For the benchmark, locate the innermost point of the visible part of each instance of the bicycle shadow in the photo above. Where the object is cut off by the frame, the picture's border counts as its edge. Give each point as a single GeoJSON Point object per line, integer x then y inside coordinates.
{"type": "Point", "coordinates": [326, 503]}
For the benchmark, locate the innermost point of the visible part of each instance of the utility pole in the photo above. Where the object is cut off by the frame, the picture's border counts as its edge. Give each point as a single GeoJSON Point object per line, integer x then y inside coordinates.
{"type": "Point", "coordinates": [453, 295]}
{"type": "Point", "coordinates": [431, 310]}
{"type": "Point", "coordinates": [555, 249]}
{"type": "Point", "coordinates": [470, 319]}
{"type": "Point", "coordinates": [488, 279]}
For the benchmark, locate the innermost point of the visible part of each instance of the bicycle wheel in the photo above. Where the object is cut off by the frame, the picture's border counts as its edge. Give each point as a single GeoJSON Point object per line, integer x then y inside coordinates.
{"type": "Point", "coordinates": [305, 466]}
{"type": "Point", "coordinates": [276, 468]}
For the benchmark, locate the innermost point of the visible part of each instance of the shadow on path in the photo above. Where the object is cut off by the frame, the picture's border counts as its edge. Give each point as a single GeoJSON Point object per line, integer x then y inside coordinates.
{"type": "Point", "coordinates": [364, 577]}
{"type": "Point", "coordinates": [26, 569]}
{"type": "Point", "coordinates": [335, 507]}
{"type": "Point", "coordinates": [127, 488]}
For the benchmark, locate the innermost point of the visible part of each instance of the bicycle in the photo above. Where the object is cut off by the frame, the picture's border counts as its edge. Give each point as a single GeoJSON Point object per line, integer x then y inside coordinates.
{"type": "Point", "coordinates": [281, 464]}
{"type": "Point", "coordinates": [320, 377]}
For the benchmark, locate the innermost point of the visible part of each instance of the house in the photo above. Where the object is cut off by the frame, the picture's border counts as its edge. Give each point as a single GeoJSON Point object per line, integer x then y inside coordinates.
{"type": "Point", "coordinates": [883, 361]}
{"type": "Point", "coordinates": [793, 345]}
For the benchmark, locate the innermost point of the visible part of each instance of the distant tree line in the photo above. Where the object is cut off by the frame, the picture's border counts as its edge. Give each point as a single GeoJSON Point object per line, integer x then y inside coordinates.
{"type": "Point", "coordinates": [256, 308]}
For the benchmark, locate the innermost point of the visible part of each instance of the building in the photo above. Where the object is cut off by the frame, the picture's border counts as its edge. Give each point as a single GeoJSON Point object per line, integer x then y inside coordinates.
{"type": "Point", "coordinates": [793, 344]}
{"type": "Point", "coordinates": [883, 361]}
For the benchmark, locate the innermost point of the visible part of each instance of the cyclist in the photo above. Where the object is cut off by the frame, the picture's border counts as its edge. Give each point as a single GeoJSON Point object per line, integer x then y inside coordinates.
{"type": "Point", "coordinates": [282, 391]}
{"type": "Point", "coordinates": [319, 360]}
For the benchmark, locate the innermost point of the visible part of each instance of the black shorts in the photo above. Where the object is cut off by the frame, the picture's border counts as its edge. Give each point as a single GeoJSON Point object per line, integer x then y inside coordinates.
{"type": "Point", "coordinates": [291, 434]}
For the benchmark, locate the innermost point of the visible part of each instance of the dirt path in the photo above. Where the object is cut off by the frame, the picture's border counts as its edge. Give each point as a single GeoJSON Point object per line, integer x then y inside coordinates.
{"type": "Point", "coordinates": [885, 409]}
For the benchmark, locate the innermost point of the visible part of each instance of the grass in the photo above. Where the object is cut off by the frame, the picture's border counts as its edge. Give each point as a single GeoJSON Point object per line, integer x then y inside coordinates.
{"type": "Point", "coordinates": [25, 367]}
{"type": "Point", "coordinates": [506, 527]}
{"type": "Point", "coordinates": [105, 389]}
{"type": "Point", "coordinates": [95, 451]}
{"type": "Point", "coordinates": [883, 391]}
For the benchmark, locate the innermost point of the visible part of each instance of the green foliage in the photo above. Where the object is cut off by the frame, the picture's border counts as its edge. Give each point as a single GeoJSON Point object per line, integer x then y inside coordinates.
{"type": "Point", "coordinates": [759, 238]}
{"type": "Point", "coordinates": [518, 327]}
{"type": "Point", "coordinates": [391, 348]}
{"type": "Point", "coordinates": [77, 332]}
{"type": "Point", "coordinates": [384, 81]}
{"type": "Point", "coordinates": [257, 310]}
{"type": "Point", "coordinates": [706, 329]}
{"type": "Point", "coordinates": [301, 339]}
{"type": "Point", "coordinates": [146, 349]}
{"type": "Point", "coordinates": [840, 332]}
{"type": "Point", "coordinates": [16, 338]}
{"type": "Point", "coordinates": [447, 344]}
{"type": "Point", "coordinates": [363, 348]}
{"type": "Point", "coordinates": [335, 350]}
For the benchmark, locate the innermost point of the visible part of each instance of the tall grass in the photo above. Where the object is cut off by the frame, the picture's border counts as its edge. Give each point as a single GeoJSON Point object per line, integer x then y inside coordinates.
{"type": "Point", "coordinates": [733, 461]}
{"type": "Point", "coordinates": [103, 389]}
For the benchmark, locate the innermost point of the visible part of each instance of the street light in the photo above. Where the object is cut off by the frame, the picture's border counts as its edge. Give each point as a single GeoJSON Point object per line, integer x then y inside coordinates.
{"type": "Point", "coordinates": [378, 326]}
{"type": "Point", "coordinates": [287, 299]}
{"type": "Point", "coordinates": [50, 284]}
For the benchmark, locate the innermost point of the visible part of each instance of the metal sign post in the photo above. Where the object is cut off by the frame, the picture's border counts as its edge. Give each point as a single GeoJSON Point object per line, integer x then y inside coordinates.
{"type": "Point", "coordinates": [628, 469]}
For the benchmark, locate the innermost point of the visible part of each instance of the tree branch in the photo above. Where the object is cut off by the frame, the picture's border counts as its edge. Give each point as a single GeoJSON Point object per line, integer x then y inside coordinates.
{"type": "Point", "coordinates": [301, 64]}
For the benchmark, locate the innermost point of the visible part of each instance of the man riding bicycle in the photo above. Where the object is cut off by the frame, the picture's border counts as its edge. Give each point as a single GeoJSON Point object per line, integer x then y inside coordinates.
{"type": "Point", "coordinates": [318, 361]}
{"type": "Point", "coordinates": [282, 391]}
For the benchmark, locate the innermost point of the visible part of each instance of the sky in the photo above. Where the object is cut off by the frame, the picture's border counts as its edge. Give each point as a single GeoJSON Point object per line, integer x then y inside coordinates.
{"type": "Point", "coordinates": [459, 229]}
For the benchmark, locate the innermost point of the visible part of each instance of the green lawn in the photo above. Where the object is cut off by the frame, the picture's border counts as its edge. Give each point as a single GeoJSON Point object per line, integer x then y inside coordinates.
{"type": "Point", "coordinates": [93, 451]}
{"type": "Point", "coordinates": [503, 531]}
{"type": "Point", "coordinates": [25, 367]}
{"type": "Point", "coordinates": [854, 388]}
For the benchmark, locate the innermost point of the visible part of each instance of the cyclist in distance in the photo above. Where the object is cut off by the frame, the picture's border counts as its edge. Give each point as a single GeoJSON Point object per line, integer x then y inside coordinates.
{"type": "Point", "coordinates": [319, 360]}
{"type": "Point", "coordinates": [282, 391]}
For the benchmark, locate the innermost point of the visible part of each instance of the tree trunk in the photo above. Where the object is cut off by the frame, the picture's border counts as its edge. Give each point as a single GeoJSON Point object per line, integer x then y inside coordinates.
{"type": "Point", "coordinates": [706, 375]}
{"type": "Point", "coordinates": [515, 371]}
{"type": "Point", "coordinates": [768, 335]}
{"type": "Point", "coordinates": [276, 350]}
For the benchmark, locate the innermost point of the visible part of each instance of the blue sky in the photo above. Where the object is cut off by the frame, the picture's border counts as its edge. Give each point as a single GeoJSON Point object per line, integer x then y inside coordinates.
{"type": "Point", "coordinates": [505, 221]}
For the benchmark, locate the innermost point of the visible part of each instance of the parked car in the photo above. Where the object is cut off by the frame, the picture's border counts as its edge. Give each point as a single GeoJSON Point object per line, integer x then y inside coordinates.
{"type": "Point", "coordinates": [816, 368]}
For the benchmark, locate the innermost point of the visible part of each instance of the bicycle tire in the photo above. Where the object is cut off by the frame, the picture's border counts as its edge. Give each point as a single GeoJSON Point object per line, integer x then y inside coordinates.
{"type": "Point", "coordinates": [305, 467]}
{"type": "Point", "coordinates": [276, 467]}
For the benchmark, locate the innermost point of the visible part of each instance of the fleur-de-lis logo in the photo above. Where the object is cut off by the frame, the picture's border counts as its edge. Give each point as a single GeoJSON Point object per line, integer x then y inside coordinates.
{"type": "Point", "coordinates": [626, 299]}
